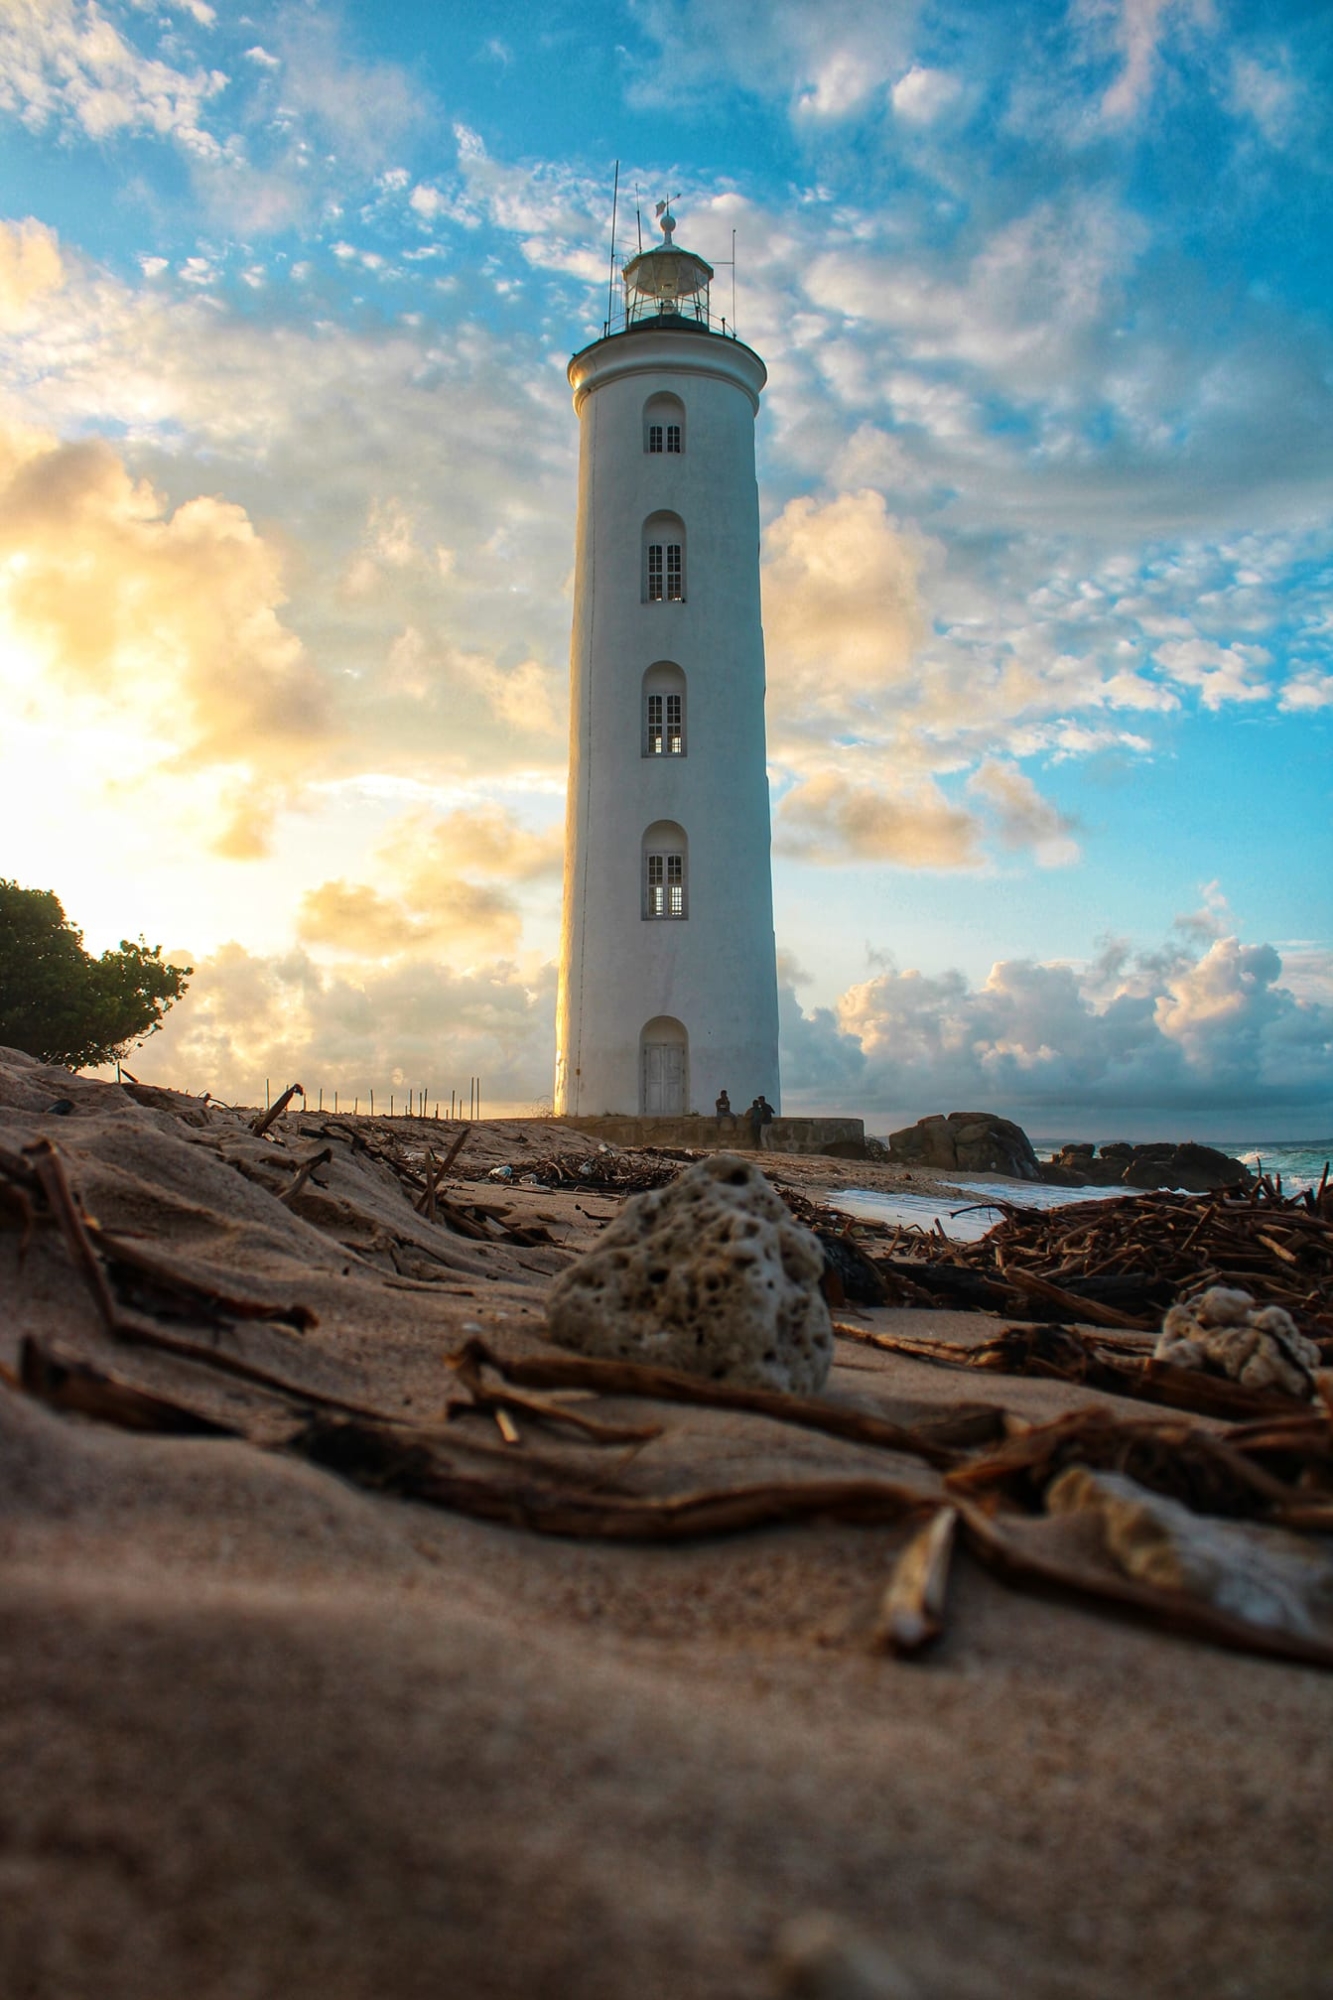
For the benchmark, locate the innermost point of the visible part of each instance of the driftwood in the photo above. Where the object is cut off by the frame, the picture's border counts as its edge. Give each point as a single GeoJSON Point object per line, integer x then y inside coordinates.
{"type": "Point", "coordinates": [1121, 1260]}
{"type": "Point", "coordinates": [467, 1365]}
{"type": "Point", "coordinates": [261, 1124]}
{"type": "Point", "coordinates": [68, 1382]}
{"type": "Point", "coordinates": [1067, 1355]}
{"type": "Point", "coordinates": [303, 1173]}
{"type": "Point", "coordinates": [930, 1442]}
{"type": "Point", "coordinates": [377, 1456]}
{"type": "Point", "coordinates": [1184, 1461]}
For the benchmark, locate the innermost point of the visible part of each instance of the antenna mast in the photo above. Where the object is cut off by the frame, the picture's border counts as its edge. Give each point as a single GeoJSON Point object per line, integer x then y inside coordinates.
{"type": "Point", "coordinates": [611, 273]}
{"type": "Point", "coordinates": [733, 284]}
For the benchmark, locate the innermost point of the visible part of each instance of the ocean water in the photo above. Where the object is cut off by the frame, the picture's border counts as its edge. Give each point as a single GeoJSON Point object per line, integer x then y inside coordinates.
{"type": "Point", "coordinates": [1300, 1163]}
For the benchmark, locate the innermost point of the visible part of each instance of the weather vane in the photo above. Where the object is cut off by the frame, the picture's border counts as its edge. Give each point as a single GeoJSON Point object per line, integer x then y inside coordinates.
{"type": "Point", "coordinates": [664, 216]}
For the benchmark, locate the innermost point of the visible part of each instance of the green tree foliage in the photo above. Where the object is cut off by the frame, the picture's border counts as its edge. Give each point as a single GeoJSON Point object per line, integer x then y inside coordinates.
{"type": "Point", "coordinates": [62, 1005]}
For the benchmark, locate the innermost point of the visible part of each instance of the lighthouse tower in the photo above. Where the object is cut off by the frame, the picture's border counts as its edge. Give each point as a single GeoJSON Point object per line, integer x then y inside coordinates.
{"type": "Point", "coordinates": [668, 984]}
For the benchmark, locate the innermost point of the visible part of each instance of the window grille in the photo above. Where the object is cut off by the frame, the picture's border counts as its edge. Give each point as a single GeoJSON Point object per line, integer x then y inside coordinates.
{"type": "Point", "coordinates": [666, 733]}
{"type": "Point", "coordinates": [655, 437]}
{"type": "Point", "coordinates": [674, 575]}
{"type": "Point", "coordinates": [655, 572]}
{"type": "Point", "coordinates": [666, 885]}
{"type": "Point", "coordinates": [672, 438]}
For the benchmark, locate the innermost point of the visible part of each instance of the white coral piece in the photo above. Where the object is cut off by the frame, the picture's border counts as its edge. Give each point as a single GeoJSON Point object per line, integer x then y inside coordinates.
{"type": "Point", "coordinates": [1266, 1576]}
{"type": "Point", "coordinates": [1224, 1330]}
{"type": "Point", "coordinates": [713, 1275]}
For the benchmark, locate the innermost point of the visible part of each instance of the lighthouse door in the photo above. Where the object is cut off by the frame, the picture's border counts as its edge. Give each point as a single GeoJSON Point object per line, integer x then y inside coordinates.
{"type": "Point", "coordinates": [663, 1079]}
{"type": "Point", "coordinates": [662, 1053]}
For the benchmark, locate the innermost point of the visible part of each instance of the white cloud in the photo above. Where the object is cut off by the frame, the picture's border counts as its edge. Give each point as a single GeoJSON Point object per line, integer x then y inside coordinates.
{"type": "Point", "coordinates": [1220, 673]}
{"type": "Point", "coordinates": [1308, 689]}
{"type": "Point", "coordinates": [828, 59]}
{"type": "Point", "coordinates": [923, 95]}
{"type": "Point", "coordinates": [1140, 32]}
{"type": "Point", "coordinates": [1174, 1035]}
{"type": "Point", "coordinates": [65, 62]}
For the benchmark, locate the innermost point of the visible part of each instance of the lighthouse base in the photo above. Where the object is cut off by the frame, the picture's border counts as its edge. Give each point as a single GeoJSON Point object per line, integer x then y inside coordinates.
{"type": "Point", "coordinates": [731, 1135]}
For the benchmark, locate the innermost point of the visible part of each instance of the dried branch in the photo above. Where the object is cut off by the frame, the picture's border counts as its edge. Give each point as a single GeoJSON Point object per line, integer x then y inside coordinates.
{"type": "Point", "coordinates": [261, 1124]}
{"type": "Point", "coordinates": [630, 1378]}
{"type": "Point", "coordinates": [379, 1457]}
{"type": "Point", "coordinates": [467, 1365]}
{"type": "Point", "coordinates": [303, 1173]}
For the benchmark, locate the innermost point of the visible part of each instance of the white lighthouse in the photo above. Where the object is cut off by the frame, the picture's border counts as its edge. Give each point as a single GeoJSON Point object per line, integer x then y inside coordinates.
{"type": "Point", "coordinates": [668, 984]}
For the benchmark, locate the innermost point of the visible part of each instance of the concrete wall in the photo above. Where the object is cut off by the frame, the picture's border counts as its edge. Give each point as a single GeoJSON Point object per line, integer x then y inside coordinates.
{"type": "Point", "coordinates": [714, 970]}
{"type": "Point", "coordinates": [721, 1135]}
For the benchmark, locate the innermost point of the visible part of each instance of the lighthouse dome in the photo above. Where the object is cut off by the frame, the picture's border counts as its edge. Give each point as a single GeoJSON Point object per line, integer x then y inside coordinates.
{"type": "Point", "coordinates": [667, 274]}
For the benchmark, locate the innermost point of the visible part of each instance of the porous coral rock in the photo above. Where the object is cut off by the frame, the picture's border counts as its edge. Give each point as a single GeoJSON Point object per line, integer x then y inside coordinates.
{"type": "Point", "coordinates": [1223, 1330]}
{"type": "Point", "coordinates": [712, 1275]}
{"type": "Point", "coordinates": [1266, 1576]}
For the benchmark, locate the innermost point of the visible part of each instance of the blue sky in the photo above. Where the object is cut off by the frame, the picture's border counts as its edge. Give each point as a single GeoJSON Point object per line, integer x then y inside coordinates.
{"type": "Point", "coordinates": [286, 497]}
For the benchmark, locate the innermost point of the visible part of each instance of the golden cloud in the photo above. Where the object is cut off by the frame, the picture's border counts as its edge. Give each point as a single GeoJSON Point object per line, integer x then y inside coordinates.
{"type": "Point", "coordinates": [30, 267]}
{"type": "Point", "coordinates": [828, 820]}
{"type": "Point", "coordinates": [1022, 817]}
{"type": "Point", "coordinates": [842, 610]}
{"type": "Point", "coordinates": [422, 848]}
{"type": "Point", "coordinates": [160, 626]}
{"type": "Point", "coordinates": [354, 1027]}
{"type": "Point", "coordinates": [463, 920]}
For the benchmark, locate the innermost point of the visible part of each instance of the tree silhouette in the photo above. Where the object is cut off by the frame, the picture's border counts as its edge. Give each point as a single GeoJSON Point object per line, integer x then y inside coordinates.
{"type": "Point", "coordinates": [60, 1004]}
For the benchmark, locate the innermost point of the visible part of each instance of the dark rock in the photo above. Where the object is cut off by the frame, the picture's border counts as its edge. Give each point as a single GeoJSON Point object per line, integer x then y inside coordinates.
{"type": "Point", "coordinates": [1158, 1163]}
{"type": "Point", "coordinates": [1197, 1169]}
{"type": "Point", "coordinates": [974, 1142]}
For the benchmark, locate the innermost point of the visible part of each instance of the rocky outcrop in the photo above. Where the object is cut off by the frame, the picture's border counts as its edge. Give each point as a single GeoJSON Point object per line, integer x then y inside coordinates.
{"type": "Point", "coordinates": [1165, 1163]}
{"type": "Point", "coordinates": [712, 1275]}
{"type": "Point", "coordinates": [966, 1142]}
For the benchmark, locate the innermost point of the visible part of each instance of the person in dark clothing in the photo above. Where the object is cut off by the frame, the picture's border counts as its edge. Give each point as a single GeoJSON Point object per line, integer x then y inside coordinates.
{"type": "Point", "coordinates": [723, 1105]}
{"type": "Point", "coordinates": [765, 1117]}
{"type": "Point", "coordinates": [756, 1117]}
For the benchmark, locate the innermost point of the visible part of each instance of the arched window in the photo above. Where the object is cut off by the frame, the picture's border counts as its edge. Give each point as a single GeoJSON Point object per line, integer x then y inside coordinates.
{"type": "Point", "coordinates": [664, 1060]}
{"type": "Point", "coordinates": [665, 871]}
{"type": "Point", "coordinates": [664, 559]}
{"type": "Point", "coordinates": [664, 710]}
{"type": "Point", "coordinates": [664, 425]}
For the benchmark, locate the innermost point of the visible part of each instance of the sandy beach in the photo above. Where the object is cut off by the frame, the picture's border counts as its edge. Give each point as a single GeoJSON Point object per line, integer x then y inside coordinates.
{"type": "Point", "coordinates": [267, 1732]}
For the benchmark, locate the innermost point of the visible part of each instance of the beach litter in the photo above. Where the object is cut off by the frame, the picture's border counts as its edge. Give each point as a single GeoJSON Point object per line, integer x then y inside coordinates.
{"type": "Point", "coordinates": [1121, 1262]}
